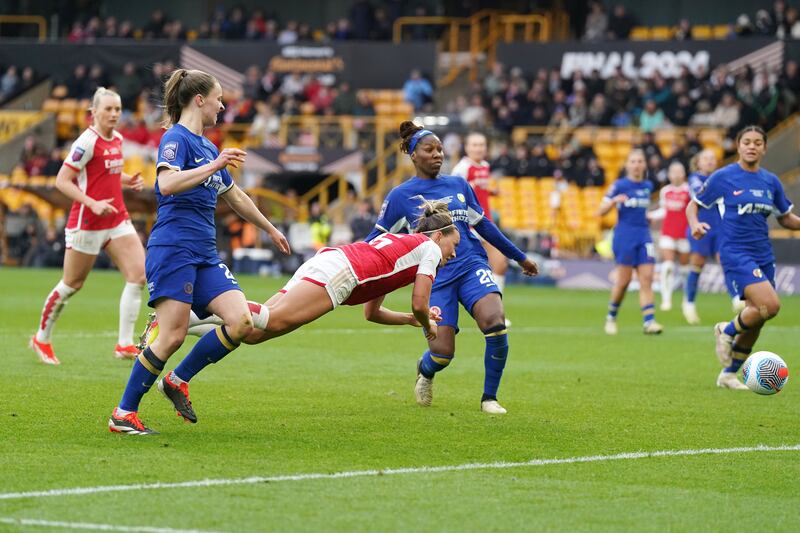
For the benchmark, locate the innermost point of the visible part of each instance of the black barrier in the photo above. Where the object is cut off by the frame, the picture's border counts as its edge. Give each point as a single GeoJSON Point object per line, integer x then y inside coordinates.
{"type": "Point", "coordinates": [58, 60]}
{"type": "Point", "coordinates": [642, 58]}
{"type": "Point", "coordinates": [373, 65]}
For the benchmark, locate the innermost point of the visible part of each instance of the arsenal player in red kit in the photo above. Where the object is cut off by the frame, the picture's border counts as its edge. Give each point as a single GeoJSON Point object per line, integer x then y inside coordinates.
{"type": "Point", "coordinates": [673, 244]}
{"type": "Point", "coordinates": [92, 178]}
{"type": "Point", "coordinates": [475, 169]}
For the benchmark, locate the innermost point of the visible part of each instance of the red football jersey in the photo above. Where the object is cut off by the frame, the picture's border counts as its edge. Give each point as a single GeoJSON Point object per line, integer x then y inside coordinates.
{"type": "Point", "coordinates": [388, 262]}
{"type": "Point", "coordinates": [98, 162]}
{"type": "Point", "coordinates": [674, 201]}
{"type": "Point", "coordinates": [479, 177]}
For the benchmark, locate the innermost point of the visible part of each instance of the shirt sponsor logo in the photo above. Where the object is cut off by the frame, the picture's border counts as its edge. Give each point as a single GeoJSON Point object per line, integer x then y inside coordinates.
{"type": "Point", "coordinates": [747, 209]}
{"type": "Point", "coordinates": [170, 151]}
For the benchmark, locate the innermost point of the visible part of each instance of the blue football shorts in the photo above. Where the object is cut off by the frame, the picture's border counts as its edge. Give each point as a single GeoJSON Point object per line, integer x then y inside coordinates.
{"type": "Point", "coordinates": [476, 281]}
{"type": "Point", "coordinates": [179, 274]}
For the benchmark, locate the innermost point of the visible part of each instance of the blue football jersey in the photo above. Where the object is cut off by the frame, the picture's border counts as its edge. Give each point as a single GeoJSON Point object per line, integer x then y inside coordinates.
{"type": "Point", "coordinates": [401, 210]}
{"type": "Point", "coordinates": [748, 199]}
{"type": "Point", "coordinates": [186, 219]}
{"type": "Point", "coordinates": [632, 213]}
{"type": "Point", "coordinates": [711, 216]}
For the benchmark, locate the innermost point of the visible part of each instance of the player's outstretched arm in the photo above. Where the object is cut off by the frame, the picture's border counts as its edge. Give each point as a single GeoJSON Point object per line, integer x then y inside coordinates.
{"type": "Point", "coordinates": [65, 182]}
{"type": "Point", "coordinates": [790, 221]}
{"type": "Point", "coordinates": [420, 301]}
{"type": "Point", "coordinates": [375, 312]}
{"type": "Point", "coordinates": [243, 205]}
{"type": "Point", "coordinates": [495, 237]}
{"type": "Point", "coordinates": [176, 181]}
{"type": "Point", "coordinates": [698, 228]}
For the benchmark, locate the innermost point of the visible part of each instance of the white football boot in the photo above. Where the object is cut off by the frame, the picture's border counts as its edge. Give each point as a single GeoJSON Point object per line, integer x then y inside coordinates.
{"type": "Point", "coordinates": [423, 389]}
{"type": "Point", "coordinates": [611, 326]}
{"type": "Point", "coordinates": [653, 328]}
{"type": "Point", "coordinates": [493, 407]}
{"type": "Point", "coordinates": [728, 380]}
{"type": "Point", "coordinates": [690, 313]}
{"type": "Point", "coordinates": [724, 344]}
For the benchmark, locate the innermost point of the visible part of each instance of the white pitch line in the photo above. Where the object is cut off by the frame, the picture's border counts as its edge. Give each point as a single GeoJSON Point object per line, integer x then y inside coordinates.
{"type": "Point", "coordinates": [96, 527]}
{"type": "Point", "coordinates": [79, 491]}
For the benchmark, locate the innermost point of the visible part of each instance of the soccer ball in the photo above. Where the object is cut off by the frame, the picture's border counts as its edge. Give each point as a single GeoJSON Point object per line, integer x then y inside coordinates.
{"type": "Point", "coordinates": [765, 373]}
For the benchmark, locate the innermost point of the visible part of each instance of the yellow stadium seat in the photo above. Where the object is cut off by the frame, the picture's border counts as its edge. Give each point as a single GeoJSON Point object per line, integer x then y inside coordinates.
{"type": "Point", "coordinates": [721, 31]}
{"type": "Point", "coordinates": [51, 105]}
{"type": "Point", "coordinates": [640, 33]}
{"type": "Point", "coordinates": [662, 33]}
{"type": "Point", "coordinates": [710, 137]}
{"type": "Point", "coordinates": [583, 136]}
{"type": "Point", "coordinates": [702, 32]}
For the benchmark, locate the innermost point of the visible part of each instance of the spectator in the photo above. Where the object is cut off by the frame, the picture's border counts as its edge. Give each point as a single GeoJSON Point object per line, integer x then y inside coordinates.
{"type": "Point", "coordinates": [289, 34]}
{"type": "Point", "coordinates": [417, 90]}
{"type": "Point", "coordinates": [682, 111]}
{"type": "Point", "coordinates": [363, 221]}
{"type": "Point", "coordinates": [473, 115]}
{"type": "Point", "coordinates": [9, 83]}
{"type": "Point", "coordinates": [292, 85]}
{"type": "Point", "coordinates": [235, 27]}
{"type": "Point", "coordinates": [652, 117]}
{"type": "Point", "coordinates": [596, 22]}
{"type": "Point", "coordinates": [362, 18]}
{"type": "Point", "coordinates": [345, 101]}
{"type": "Point", "coordinates": [252, 87]}
{"type": "Point", "coordinates": [47, 252]}
{"type": "Point", "coordinates": [128, 85]}
{"type": "Point", "coordinates": [320, 227]}
{"type": "Point", "coordinates": [155, 27]}
{"type": "Point", "coordinates": [53, 164]}
{"type": "Point", "coordinates": [764, 24]}
{"type": "Point", "coordinates": [363, 105]}
{"type": "Point", "coordinates": [649, 146]}
{"type": "Point", "coordinates": [539, 164]}
{"type": "Point", "coordinates": [620, 24]}
{"type": "Point", "coordinates": [520, 164]}
{"type": "Point", "coordinates": [656, 171]}
{"type": "Point", "coordinates": [726, 114]}
{"type": "Point", "coordinates": [594, 176]}
{"type": "Point", "coordinates": [790, 29]}
{"type": "Point", "coordinates": [381, 28]}
{"type": "Point", "coordinates": [598, 113]}
{"type": "Point", "coordinates": [684, 31]}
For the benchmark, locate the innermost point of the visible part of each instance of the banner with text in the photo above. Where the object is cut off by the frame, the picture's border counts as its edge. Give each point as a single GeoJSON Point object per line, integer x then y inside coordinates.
{"type": "Point", "coordinates": [642, 59]}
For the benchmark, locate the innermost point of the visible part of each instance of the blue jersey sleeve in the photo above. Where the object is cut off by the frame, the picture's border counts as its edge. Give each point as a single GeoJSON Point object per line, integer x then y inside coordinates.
{"type": "Point", "coordinates": [782, 204]}
{"type": "Point", "coordinates": [695, 184]}
{"type": "Point", "coordinates": [613, 190]}
{"type": "Point", "coordinates": [173, 151]}
{"type": "Point", "coordinates": [392, 218]}
{"type": "Point", "coordinates": [713, 189]}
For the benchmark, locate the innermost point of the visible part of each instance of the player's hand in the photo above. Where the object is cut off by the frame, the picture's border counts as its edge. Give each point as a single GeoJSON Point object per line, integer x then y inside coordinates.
{"type": "Point", "coordinates": [529, 267]}
{"type": "Point", "coordinates": [431, 331]}
{"type": "Point", "coordinates": [135, 182]}
{"type": "Point", "coordinates": [103, 208]}
{"type": "Point", "coordinates": [620, 199]}
{"type": "Point", "coordinates": [280, 241]}
{"type": "Point", "coordinates": [700, 229]}
{"type": "Point", "coordinates": [229, 156]}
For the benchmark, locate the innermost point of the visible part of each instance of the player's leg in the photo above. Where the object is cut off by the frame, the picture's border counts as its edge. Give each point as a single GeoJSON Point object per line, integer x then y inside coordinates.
{"type": "Point", "coordinates": [490, 316]}
{"type": "Point", "coordinates": [77, 266]}
{"type": "Point", "coordinates": [499, 265]}
{"type": "Point", "coordinates": [696, 263]}
{"type": "Point", "coordinates": [645, 274]}
{"type": "Point", "coordinates": [173, 316]}
{"type": "Point", "coordinates": [303, 303]}
{"type": "Point", "coordinates": [667, 246]}
{"type": "Point", "coordinates": [441, 350]}
{"type": "Point", "coordinates": [622, 279]}
{"type": "Point", "coordinates": [127, 253]}
{"type": "Point", "coordinates": [763, 304]}
{"type": "Point", "coordinates": [683, 265]}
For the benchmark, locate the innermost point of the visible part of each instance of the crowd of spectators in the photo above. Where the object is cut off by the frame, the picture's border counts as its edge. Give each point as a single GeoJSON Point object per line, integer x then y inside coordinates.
{"type": "Point", "coordinates": [781, 21]}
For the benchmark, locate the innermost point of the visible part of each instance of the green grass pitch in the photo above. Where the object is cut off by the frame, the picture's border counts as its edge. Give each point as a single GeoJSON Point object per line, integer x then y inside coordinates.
{"type": "Point", "coordinates": [336, 396]}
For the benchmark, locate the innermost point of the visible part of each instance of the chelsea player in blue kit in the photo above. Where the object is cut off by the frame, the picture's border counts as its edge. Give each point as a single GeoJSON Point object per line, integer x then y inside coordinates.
{"type": "Point", "coordinates": [632, 244]}
{"type": "Point", "coordinates": [183, 268]}
{"type": "Point", "coordinates": [702, 165]}
{"type": "Point", "coordinates": [750, 194]}
{"type": "Point", "coordinates": [466, 279]}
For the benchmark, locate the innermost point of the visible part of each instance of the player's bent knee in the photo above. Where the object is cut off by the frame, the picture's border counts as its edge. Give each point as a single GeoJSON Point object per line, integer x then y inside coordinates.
{"type": "Point", "coordinates": [240, 328]}
{"type": "Point", "coordinates": [769, 310]}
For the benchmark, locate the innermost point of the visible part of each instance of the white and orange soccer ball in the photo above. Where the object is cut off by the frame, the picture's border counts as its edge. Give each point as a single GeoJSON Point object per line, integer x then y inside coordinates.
{"type": "Point", "coordinates": [765, 373]}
